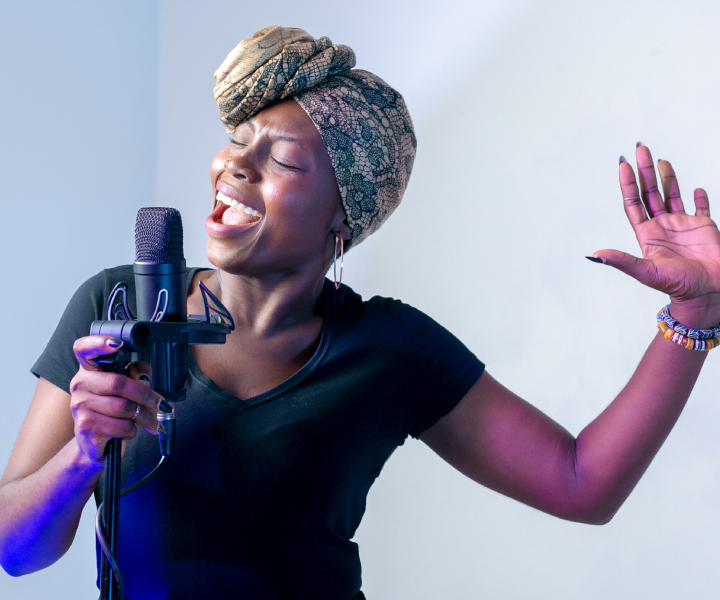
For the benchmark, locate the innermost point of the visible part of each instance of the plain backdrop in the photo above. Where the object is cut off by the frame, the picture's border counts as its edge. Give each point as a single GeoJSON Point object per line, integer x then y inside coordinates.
{"type": "Point", "coordinates": [521, 109]}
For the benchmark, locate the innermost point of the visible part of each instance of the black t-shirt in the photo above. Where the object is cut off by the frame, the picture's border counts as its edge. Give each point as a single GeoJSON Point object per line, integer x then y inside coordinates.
{"type": "Point", "coordinates": [261, 497]}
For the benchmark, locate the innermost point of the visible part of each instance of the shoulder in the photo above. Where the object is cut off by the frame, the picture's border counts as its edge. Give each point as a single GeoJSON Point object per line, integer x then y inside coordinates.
{"type": "Point", "coordinates": [352, 311]}
{"type": "Point", "coordinates": [388, 317]}
{"type": "Point", "coordinates": [106, 279]}
{"type": "Point", "coordinates": [101, 284]}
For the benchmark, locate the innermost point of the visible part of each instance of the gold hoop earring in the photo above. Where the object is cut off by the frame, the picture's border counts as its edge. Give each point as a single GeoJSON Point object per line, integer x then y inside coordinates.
{"type": "Point", "coordinates": [338, 239]}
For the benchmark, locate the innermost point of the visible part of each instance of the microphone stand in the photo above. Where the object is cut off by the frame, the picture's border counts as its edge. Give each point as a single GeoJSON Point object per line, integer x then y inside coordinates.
{"type": "Point", "coordinates": [110, 510]}
{"type": "Point", "coordinates": [165, 344]}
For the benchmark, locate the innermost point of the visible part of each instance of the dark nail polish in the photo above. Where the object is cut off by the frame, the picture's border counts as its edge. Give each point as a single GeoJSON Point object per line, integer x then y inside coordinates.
{"type": "Point", "coordinates": [595, 259]}
{"type": "Point", "coordinates": [639, 144]}
{"type": "Point", "coordinates": [659, 160]}
{"type": "Point", "coordinates": [623, 159]}
{"type": "Point", "coordinates": [164, 406]}
{"type": "Point", "coordinates": [113, 343]}
{"type": "Point", "coordinates": [144, 378]}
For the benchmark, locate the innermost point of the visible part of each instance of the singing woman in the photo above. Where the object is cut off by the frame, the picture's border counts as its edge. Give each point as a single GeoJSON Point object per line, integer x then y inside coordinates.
{"type": "Point", "coordinates": [286, 426]}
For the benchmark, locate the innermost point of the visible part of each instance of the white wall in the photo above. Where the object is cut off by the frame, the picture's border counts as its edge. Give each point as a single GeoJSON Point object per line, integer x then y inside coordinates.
{"type": "Point", "coordinates": [521, 110]}
{"type": "Point", "coordinates": [78, 146]}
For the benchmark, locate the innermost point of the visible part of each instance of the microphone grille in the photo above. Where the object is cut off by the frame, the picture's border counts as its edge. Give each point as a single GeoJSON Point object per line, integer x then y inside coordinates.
{"type": "Point", "coordinates": [158, 235]}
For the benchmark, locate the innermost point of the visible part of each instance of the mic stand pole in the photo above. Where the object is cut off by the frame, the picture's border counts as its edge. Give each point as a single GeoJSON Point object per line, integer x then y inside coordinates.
{"type": "Point", "coordinates": [111, 508]}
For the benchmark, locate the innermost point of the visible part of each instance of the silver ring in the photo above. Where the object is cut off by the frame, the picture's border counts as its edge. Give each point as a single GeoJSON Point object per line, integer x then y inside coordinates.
{"type": "Point", "coordinates": [137, 412]}
{"type": "Point", "coordinates": [633, 198]}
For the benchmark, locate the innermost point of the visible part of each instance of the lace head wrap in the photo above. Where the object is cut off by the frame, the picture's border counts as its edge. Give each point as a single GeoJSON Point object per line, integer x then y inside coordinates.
{"type": "Point", "coordinates": [363, 121]}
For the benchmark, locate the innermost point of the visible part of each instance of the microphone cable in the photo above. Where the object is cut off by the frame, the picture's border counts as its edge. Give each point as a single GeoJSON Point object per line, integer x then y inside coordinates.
{"type": "Point", "coordinates": [100, 527]}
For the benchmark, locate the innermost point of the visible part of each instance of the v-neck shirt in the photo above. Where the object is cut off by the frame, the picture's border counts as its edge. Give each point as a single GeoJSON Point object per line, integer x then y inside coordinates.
{"type": "Point", "coordinates": [262, 497]}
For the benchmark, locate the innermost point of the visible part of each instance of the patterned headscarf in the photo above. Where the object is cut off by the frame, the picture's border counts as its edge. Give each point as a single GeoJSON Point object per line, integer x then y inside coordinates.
{"type": "Point", "coordinates": [363, 121]}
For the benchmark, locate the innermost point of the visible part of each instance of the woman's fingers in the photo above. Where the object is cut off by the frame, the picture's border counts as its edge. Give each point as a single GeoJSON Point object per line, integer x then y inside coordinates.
{"type": "Point", "coordinates": [702, 204]}
{"type": "Point", "coordinates": [141, 372]}
{"type": "Point", "coordinates": [641, 269]}
{"type": "Point", "coordinates": [671, 189]}
{"type": "Point", "coordinates": [634, 208]}
{"type": "Point", "coordinates": [115, 385]}
{"type": "Point", "coordinates": [649, 192]}
{"type": "Point", "coordinates": [90, 347]}
{"type": "Point", "coordinates": [94, 428]}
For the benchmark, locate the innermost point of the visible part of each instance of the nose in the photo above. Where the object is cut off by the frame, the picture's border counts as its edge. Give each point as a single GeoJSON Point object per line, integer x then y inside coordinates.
{"type": "Point", "coordinates": [239, 164]}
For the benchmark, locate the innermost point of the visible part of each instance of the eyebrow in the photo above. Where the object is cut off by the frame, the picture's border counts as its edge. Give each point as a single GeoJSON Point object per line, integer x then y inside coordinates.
{"type": "Point", "coordinates": [276, 138]}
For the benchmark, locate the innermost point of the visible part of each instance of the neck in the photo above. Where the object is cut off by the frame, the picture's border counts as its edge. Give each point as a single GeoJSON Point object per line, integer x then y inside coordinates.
{"type": "Point", "coordinates": [269, 304]}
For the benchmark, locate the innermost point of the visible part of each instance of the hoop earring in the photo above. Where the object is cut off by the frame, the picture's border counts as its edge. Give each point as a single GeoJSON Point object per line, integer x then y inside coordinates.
{"type": "Point", "coordinates": [338, 239]}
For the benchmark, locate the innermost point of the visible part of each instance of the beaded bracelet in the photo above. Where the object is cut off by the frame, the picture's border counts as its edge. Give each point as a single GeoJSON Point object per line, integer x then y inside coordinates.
{"type": "Point", "coordinates": [700, 340]}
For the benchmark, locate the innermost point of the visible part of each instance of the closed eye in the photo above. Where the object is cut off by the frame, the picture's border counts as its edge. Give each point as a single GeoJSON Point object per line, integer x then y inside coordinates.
{"type": "Point", "coordinates": [236, 143]}
{"type": "Point", "coordinates": [283, 165]}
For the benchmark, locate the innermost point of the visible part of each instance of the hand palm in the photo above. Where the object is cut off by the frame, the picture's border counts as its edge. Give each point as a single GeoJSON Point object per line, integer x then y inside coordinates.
{"type": "Point", "coordinates": [683, 252]}
{"type": "Point", "coordinates": [680, 252]}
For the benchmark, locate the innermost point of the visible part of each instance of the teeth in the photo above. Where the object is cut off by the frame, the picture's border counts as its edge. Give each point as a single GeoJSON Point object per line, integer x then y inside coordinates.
{"type": "Point", "coordinates": [237, 205]}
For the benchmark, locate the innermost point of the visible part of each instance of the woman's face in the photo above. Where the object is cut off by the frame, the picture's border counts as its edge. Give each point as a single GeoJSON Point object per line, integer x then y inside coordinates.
{"type": "Point", "coordinates": [285, 203]}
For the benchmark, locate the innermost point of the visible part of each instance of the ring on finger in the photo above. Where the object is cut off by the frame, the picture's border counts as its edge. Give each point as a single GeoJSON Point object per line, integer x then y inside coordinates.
{"type": "Point", "coordinates": [137, 412]}
{"type": "Point", "coordinates": [632, 198]}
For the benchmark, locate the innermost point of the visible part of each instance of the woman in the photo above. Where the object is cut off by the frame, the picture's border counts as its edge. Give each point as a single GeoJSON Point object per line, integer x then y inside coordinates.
{"type": "Point", "coordinates": [287, 425]}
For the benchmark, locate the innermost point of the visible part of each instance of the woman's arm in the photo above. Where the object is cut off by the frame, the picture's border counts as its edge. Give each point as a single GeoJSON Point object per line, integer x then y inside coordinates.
{"type": "Point", "coordinates": [501, 441]}
{"type": "Point", "coordinates": [45, 486]}
{"type": "Point", "coordinates": [58, 456]}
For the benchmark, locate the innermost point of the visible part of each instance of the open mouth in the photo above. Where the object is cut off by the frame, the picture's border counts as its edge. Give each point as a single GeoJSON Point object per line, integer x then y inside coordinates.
{"type": "Point", "coordinates": [229, 211]}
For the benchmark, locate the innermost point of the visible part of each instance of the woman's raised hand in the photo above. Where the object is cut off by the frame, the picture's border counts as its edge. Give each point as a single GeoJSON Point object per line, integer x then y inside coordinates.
{"type": "Point", "coordinates": [105, 405]}
{"type": "Point", "coordinates": [680, 252]}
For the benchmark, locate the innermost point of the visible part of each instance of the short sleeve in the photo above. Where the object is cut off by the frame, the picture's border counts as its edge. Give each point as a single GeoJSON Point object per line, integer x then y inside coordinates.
{"type": "Point", "coordinates": [440, 368]}
{"type": "Point", "coordinates": [57, 363]}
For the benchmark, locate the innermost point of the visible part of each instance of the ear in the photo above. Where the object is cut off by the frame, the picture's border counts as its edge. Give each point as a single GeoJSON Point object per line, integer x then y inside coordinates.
{"type": "Point", "coordinates": [340, 225]}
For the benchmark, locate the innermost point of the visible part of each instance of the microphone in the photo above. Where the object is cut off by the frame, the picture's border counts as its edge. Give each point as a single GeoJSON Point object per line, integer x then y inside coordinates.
{"type": "Point", "coordinates": [161, 295]}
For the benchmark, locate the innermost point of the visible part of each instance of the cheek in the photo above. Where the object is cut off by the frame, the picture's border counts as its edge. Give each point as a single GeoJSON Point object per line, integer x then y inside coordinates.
{"type": "Point", "coordinates": [217, 166]}
{"type": "Point", "coordinates": [299, 210]}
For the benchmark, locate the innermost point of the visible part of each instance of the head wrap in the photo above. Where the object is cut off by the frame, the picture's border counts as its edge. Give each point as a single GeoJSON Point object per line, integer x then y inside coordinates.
{"type": "Point", "coordinates": [363, 121]}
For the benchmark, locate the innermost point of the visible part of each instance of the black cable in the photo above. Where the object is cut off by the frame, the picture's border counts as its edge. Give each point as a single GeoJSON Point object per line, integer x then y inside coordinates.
{"type": "Point", "coordinates": [138, 484]}
{"type": "Point", "coordinates": [100, 528]}
{"type": "Point", "coordinates": [100, 534]}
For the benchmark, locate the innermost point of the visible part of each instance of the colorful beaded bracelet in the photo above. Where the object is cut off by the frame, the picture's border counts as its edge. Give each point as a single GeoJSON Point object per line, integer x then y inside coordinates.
{"type": "Point", "coordinates": [695, 334]}
{"type": "Point", "coordinates": [700, 340]}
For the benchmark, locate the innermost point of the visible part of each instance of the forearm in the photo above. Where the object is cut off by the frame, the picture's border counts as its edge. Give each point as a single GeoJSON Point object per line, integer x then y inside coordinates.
{"type": "Point", "coordinates": [39, 514]}
{"type": "Point", "coordinates": [613, 452]}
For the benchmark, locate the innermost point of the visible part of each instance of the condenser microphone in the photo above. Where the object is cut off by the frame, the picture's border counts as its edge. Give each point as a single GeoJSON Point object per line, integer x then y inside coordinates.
{"type": "Point", "coordinates": [161, 296]}
{"type": "Point", "coordinates": [159, 268]}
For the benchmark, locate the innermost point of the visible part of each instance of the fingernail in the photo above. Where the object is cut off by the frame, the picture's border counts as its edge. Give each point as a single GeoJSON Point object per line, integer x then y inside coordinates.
{"type": "Point", "coordinates": [623, 159]}
{"type": "Point", "coordinates": [596, 259]}
{"type": "Point", "coordinates": [639, 144]}
{"type": "Point", "coordinates": [114, 343]}
{"type": "Point", "coordinates": [144, 378]}
{"type": "Point", "coordinates": [164, 406]}
{"type": "Point", "coordinates": [659, 160]}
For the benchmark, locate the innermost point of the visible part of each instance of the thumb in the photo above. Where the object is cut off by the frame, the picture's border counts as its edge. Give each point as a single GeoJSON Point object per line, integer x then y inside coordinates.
{"type": "Point", "coordinates": [641, 269]}
{"type": "Point", "coordinates": [90, 347]}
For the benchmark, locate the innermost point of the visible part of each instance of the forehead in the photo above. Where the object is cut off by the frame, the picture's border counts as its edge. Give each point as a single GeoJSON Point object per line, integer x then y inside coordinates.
{"type": "Point", "coordinates": [286, 119]}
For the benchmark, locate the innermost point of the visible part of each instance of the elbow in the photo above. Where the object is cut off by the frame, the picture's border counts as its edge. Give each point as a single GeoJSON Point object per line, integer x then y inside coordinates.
{"type": "Point", "coordinates": [598, 517]}
{"type": "Point", "coordinates": [16, 565]}
{"type": "Point", "coordinates": [592, 513]}
{"type": "Point", "coordinates": [11, 569]}
{"type": "Point", "coordinates": [17, 558]}
{"type": "Point", "coordinates": [10, 563]}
